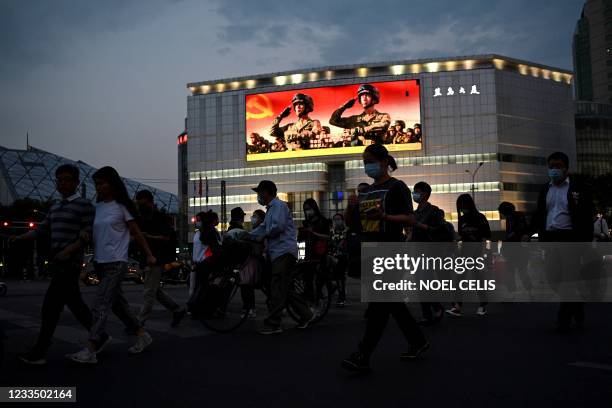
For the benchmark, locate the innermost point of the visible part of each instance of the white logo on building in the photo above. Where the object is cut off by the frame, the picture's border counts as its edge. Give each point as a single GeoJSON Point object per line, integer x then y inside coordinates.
{"type": "Point", "coordinates": [450, 91]}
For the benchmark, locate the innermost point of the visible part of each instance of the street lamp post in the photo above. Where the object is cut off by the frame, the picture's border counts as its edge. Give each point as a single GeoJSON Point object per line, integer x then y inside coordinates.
{"type": "Point", "coordinates": [473, 173]}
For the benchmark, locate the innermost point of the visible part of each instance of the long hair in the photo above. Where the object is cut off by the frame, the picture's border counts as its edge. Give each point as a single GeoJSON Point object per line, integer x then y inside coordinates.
{"type": "Point", "coordinates": [119, 191]}
{"type": "Point", "coordinates": [466, 202]}
{"type": "Point", "coordinates": [311, 202]}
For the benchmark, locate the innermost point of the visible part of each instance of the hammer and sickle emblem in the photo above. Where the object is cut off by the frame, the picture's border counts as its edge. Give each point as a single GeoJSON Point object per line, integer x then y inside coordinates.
{"type": "Point", "coordinates": [258, 107]}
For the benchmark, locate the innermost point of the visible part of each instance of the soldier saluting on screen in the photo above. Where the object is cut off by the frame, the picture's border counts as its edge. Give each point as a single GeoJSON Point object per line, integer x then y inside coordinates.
{"type": "Point", "coordinates": [370, 124]}
{"type": "Point", "coordinates": [297, 135]}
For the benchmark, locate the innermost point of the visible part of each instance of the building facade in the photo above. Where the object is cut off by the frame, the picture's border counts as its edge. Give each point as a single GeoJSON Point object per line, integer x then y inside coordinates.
{"type": "Point", "coordinates": [594, 138]}
{"type": "Point", "coordinates": [592, 51]}
{"type": "Point", "coordinates": [488, 122]}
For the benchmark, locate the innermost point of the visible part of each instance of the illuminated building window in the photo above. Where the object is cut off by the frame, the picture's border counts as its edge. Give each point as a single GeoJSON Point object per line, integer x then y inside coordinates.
{"type": "Point", "coordinates": [259, 171]}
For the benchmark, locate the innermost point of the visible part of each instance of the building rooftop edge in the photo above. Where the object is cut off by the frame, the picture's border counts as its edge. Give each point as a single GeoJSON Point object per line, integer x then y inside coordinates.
{"type": "Point", "coordinates": [380, 64]}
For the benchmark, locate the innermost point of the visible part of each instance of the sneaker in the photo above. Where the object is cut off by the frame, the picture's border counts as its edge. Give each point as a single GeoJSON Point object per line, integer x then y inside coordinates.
{"type": "Point", "coordinates": [356, 362]}
{"type": "Point", "coordinates": [271, 330]}
{"type": "Point", "coordinates": [454, 311]}
{"type": "Point", "coordinates": [340, 303]}
{"type": "Point", "coordinates": [33, 357]}
{"type": "Point", "coordinates": [105, 341]}
{"type": "Point", "coordinates": [142, 343]}
{"type": "Point", "coordinates": [481, 311]}
{"type": "Point", "coordinates": [85, 356]}
{"type": "Point", "coordinates": [414, 352]}
{"type": "Point", "coordinates": [177, 317]}
{"type": "Point", "coordinates": [306, 324]}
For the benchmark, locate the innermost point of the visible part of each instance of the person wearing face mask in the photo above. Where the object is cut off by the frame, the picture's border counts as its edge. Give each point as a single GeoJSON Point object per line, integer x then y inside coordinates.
{"type": "Point", "coordinates": [338, 253]}
{"type": "Point", "coordinates": [197, 255]}
{"type": "Point", "coordinates": [159, 235]}
{"type": "Point", "coordinates": [563, 214]}
{"type": "Point", "coordinates": [315, 234]}
{"type": "Point", "coordinates": [429, 220]}
{"type": "Point", "coordinates": [385, 208]}
{"type": "Point", "coordinates": [279, 232]}
{"type": "Point", "coordinates": [473, 227]}
{"type": "Point", "coordinates": [208, 250]}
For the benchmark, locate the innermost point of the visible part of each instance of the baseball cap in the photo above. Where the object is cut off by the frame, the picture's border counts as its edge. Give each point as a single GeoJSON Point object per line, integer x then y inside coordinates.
{"type": "Point", "coordinates": [266, 185]}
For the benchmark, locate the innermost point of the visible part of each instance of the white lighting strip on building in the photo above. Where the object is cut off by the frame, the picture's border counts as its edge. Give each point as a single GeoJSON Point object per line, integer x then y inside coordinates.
{"type": "Point", "coordinates": [431, 160]}
{"type": "Point", "coordinates": [258, 171]}
{"type": "Point", "coordinates": [435, 188]}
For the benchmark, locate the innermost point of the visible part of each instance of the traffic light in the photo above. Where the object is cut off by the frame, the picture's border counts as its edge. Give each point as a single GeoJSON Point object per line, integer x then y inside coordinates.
{"type": "Point", "coordinates": [6, 224]}
{"type": "Point", "coordinates": [31, 225]}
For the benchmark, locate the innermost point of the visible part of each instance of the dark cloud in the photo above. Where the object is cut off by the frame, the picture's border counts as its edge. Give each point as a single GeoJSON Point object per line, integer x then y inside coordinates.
{"type": "Point", "coordinates": [38, 32]}
{"type": "Point", "coordinates": [368, 31]}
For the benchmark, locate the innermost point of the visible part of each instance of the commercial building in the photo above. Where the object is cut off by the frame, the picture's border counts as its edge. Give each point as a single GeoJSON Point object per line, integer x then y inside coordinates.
{"type": "Point", "coordinates": [31, 174]}
{"type": "Point", "coordinates": [488, 123]}
{"type": "Point", "coordinates": [592, 50]}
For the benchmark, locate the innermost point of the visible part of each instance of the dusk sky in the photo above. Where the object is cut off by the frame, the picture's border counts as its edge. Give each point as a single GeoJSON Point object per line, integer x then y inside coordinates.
{"type": "Point", "coordinates": [105, 82]}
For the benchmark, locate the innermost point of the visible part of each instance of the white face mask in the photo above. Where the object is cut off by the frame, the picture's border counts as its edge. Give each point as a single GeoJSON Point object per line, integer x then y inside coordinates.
{"type": "Point", "coordinates": [198, 224]}
{"type": "Point", "coordinates": [309, 213]}
{"type": "Point", "coordinates": [260, 200]}
{"type": "Point", "coordinates": [254, 220]}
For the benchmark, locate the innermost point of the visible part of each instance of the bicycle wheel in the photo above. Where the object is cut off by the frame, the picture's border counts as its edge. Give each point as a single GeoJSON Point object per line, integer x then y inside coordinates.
{"type": "Point", "coordinates": [316, 289]}
{"type": "Point", "coordinates": [222, 310]}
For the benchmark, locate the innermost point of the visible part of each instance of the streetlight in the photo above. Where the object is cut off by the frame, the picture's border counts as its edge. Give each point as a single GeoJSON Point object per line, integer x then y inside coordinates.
{"type": "Point", "coordinates": [473, 187]}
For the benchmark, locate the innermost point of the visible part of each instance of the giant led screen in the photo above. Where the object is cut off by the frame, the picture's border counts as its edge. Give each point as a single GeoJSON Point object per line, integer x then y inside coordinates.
{"type": "Point", "coordinates": [333, 120]}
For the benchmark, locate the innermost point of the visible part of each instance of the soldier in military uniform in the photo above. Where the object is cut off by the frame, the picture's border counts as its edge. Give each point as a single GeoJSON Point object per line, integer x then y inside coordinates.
{"type": "Point", "coordinates": [370, 124]}
{"type": "Point", "coordinates": [257, 144]}
{"type": "Point", "coordinates": [297, 135]}
{"type": "Point", "coordinates": [418, 135]}
{"type": "Point", "coordinates": [400, 135]}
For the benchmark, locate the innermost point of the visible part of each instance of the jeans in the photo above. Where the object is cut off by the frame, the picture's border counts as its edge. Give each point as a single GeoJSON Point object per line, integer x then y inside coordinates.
{"type": "Point", "coordinates": [63, 291]}
{"type": "Point", "coordinates": [109, 296]}
{"type": "Point", "coordinates": [378, 316]}
{"type": "Point", "coordinates": [152, 292]}
{"type": "Point", "coordinates": [282, 292]}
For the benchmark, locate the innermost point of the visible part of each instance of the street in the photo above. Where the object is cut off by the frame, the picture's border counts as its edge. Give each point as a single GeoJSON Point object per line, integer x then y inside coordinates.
{"type": "Point", "coordinates": [511, 357]}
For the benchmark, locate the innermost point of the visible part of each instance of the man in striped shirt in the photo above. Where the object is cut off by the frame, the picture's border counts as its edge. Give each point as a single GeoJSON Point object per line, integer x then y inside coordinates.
{"type": "Point", "coordinates": [68, 224]}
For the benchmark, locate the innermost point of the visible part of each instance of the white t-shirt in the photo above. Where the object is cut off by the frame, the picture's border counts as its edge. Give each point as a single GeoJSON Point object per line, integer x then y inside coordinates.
{"type": "Point", "coordinates": [111, 234]}
{"type": "Point", "coordinates": [198, 248]}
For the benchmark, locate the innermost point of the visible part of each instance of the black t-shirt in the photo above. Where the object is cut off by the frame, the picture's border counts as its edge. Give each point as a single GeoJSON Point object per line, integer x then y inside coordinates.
{"type": "Point", "coordinates": [474, 227]}
{"type": "Point", "coordinates": [157, 224]}
{"type": "Point", "coordinates": [320, 226]}
{"type": "Point", "coordinates": [431, 216]}
{"type": "Point", "coordinates": [393, 198]}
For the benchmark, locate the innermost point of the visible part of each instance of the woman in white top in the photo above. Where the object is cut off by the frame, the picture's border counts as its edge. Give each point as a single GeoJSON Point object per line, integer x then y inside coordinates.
{"type": "Point", "coordinates": [113, 224]}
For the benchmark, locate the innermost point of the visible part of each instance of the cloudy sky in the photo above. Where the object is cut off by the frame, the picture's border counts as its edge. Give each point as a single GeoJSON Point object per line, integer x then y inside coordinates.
{"type": "Point", "coordinates": [105, 82]}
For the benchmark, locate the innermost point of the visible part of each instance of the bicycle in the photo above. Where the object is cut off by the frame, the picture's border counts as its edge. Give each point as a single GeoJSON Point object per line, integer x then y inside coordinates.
{"type": "Point", "coordinates": [223, 309]}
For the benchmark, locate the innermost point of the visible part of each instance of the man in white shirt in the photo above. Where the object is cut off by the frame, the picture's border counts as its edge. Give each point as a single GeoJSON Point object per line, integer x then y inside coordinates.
{"type": "Point", "coordinates": [564, 215]}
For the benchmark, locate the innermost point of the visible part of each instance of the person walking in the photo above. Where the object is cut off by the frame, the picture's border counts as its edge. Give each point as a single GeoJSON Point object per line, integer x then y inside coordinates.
{"type": "Point", "coordinates": [159, 235]}
{"type": "Point", "coordinates": [563, 214]}
{"type": "Point", "coordinates": [473, 227]}
{"type": "Point", "coordinates": [278, 230]}
{"type": "Point", "coordinates": [67, 224]}
{"type": "Point", "coordinates": [429, 220]}
{"type": "Point", "coordinates": [385, 208]}
{"type": "Point", "coordinates": [338, 252]}
{"type": "Point", "coordinates": [114, 222]}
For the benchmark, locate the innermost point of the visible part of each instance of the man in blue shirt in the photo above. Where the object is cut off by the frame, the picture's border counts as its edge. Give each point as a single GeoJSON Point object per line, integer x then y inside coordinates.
{"type": "Point", "coordinates": [279, 231]}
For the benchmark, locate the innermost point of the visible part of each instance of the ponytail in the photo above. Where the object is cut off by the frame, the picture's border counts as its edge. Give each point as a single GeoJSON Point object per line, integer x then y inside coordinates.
{"type": "Point", "coordinates": [380, 152]}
